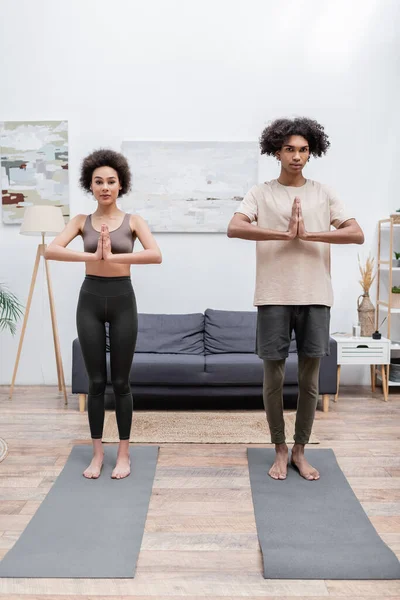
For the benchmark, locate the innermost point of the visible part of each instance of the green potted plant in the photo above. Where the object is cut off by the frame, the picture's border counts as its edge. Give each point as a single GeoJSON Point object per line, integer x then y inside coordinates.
{"type": "Point", "coordinates": [10, 310]}
{"type": "Point", "coordinates": [396, 261]}
{"type": "Point", "coordinates": [395, 296]}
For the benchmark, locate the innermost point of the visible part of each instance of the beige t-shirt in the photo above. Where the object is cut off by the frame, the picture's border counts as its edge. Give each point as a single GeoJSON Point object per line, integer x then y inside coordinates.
{"type": "Point", "coordinates": [295, 271]}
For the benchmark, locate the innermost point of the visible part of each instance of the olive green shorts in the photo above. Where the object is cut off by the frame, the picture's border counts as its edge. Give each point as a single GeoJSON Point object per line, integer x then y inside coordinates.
{"type": "Point", "coordinates": [277, 323]}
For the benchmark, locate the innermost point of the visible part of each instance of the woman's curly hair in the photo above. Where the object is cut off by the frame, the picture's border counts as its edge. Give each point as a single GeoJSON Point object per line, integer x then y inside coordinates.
{"type": "Point", "coordinates": [279, 131]}
{"type": "Point", "coordinates": [106, 158]}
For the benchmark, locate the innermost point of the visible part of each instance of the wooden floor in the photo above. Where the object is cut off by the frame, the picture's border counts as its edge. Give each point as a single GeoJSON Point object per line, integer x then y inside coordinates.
{"type": "Point", "coordinates": [200, 539]}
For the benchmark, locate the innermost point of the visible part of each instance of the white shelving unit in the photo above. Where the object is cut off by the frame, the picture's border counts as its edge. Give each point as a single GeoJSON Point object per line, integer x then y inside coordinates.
{"type": "Point", "coordinates": [384, 307]}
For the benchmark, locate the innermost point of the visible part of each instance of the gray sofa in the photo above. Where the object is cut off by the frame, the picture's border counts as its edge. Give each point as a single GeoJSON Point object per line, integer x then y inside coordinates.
{"type": "Point", "coordinates": [201, 361]}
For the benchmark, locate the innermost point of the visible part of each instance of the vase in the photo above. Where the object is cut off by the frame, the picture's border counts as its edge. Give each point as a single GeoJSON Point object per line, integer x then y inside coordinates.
{"type": "Point", "coordinates": [366, 315]}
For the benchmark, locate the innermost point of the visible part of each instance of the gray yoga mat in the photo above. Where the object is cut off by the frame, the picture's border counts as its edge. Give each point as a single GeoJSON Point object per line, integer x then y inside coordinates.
{"type": "Point", "coordinates": [315, 529]}
{"type": "Point", "coordinates": [90, 528]}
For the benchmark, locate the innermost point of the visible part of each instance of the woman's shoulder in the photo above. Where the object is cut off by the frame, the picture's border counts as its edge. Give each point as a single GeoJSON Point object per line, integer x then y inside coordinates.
{"type": "Point", "coordinates": [79, 221]}
{"type": "Point", "coordinates": [135, 221]}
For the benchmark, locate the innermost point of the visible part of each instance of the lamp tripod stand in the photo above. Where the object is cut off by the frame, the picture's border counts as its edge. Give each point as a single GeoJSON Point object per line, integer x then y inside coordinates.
{"type": "Point", "coordinates": [60, 372]}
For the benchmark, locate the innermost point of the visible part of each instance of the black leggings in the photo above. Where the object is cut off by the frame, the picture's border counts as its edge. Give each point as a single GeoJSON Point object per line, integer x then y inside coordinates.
{"type": "Point", "coordinates": [108, 300]}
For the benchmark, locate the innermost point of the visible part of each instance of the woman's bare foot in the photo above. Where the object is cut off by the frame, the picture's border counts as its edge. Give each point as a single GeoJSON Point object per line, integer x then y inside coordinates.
{"type": "Point", "coordinates": [123, 466]}
{"type": "Point", "coordinates": [299, 461]}
{"type": "Point", "coordinates": [279, 468]}
{"type": "Point", "coordinates": [94, 469]}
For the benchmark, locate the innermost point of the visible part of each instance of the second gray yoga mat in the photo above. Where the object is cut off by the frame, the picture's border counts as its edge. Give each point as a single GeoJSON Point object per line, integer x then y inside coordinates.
{"type": "Point", "coordinates": [84, 527]}
{"type": "Point", "coordinates": [315, 529]}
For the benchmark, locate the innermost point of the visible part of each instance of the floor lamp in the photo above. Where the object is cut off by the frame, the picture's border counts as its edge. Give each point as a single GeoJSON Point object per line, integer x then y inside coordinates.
{"type": "Point", "coordinates": [42, 220]}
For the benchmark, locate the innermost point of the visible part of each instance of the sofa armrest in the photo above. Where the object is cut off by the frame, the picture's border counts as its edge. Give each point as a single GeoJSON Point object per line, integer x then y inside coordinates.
{"type": "Point", "coordinates": [80, 381]}
{"type": "Point", "coordinates": [328, 371]}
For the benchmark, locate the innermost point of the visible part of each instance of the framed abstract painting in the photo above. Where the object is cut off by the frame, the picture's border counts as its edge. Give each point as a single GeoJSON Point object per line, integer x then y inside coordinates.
{"type": "Point", "coordinates": [34, 167]}
{"type": "Point", "coordinates": [189, 186]}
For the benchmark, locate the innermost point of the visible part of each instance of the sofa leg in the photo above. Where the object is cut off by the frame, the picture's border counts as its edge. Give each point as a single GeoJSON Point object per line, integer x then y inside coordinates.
{"type": "Point", "coordinates": [325, 402]}
{"type": "Point", "coordinates": [82, 402]}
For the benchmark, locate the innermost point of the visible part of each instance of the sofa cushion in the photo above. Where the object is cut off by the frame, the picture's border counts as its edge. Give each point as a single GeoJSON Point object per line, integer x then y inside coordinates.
{"type": "Point", "coordinates": [243, 369]}
{"type": "Point", "coordinates": [227, 331]}
{"type": "Point", "coordinates": [172, 334]}
{"type": "Point", "coordinates": [165, 369]}
{"type": "Point", "coordinates": [234, 369]}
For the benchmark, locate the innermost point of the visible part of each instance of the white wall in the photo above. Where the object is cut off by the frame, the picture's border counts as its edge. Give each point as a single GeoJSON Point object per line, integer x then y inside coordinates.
{"type": "Point", "coordinates": [210, 70]}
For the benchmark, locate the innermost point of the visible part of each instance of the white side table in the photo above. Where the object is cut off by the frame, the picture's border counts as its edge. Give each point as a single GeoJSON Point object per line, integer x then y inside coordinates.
{"type": "Point", "coordinates": [364, 351]}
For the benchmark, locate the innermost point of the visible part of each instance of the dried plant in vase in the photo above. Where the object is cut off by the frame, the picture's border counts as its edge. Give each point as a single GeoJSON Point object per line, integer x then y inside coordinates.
{"type": "Point", "coordinates": [366, 310]}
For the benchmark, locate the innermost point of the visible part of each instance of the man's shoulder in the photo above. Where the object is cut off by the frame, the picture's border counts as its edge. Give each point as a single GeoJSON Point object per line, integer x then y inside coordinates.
{"type": "Point", "coordinates": [319, 187]}
{"type": "Point", "coordinates": [268, 186]}
{"type": "Point", "coordinates": [261, 190]}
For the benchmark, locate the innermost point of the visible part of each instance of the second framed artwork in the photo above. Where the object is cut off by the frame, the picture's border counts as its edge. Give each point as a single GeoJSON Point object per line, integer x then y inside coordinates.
{"type": "Point", "coordinates": [189, 186]}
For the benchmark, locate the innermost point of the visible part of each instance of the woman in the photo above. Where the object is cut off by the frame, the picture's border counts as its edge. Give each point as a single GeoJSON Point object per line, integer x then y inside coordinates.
{"type": "Point", "coordinates": [107, 294]}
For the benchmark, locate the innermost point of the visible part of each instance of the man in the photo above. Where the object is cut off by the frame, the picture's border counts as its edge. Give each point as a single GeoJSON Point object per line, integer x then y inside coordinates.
{"type": "Point", "coordinates": [293, 283]}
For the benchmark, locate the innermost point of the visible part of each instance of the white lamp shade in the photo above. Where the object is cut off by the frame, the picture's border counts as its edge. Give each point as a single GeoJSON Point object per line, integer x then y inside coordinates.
{"type": "Point", "coordinates": [41, 220]}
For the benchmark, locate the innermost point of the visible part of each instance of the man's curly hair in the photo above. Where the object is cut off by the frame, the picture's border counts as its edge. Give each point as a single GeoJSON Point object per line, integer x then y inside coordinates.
{"type": "Point", "coordinates": [279, 131]}
{"type": "Point", "coordinates": [106, 158]}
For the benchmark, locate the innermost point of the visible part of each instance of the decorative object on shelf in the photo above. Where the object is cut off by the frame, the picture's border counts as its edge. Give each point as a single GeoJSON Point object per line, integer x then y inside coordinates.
{"type": "Point", "coordinates": [377, 334]}
{"type": "Point", "coordinates": [396, 216]}
{"type": "Point", "coordinates": [395, 296]}
{"type": "Point", "coordinates": [394, 372]}
{"type": "Point", "coordinates": [366, 310]}
{"type": "Point", "coordinates": [396, 261]}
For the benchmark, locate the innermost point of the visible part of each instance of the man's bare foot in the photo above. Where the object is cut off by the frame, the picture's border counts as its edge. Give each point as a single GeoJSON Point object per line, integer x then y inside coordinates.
{"type": "Point", "coordinates": [299, 461]}
{"type": "Point", "coordinates": [122, 468]}
{"type": "Point", "coordinates": [279, 468]}
{"type": "Point", "coordinates": [94, 469]}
